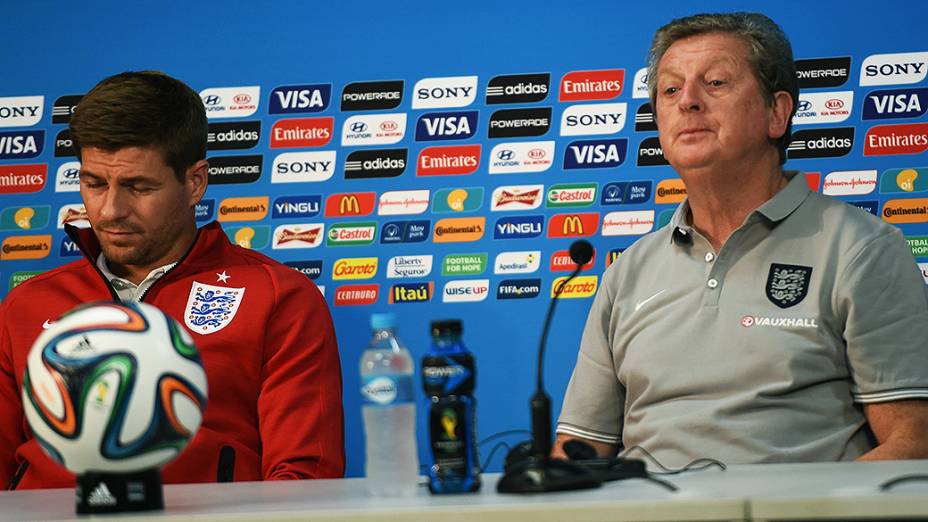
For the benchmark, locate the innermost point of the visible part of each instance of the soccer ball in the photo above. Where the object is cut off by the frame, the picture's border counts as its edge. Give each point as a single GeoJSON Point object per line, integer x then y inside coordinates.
{"type": "Point", "coordinates": [114, 388]}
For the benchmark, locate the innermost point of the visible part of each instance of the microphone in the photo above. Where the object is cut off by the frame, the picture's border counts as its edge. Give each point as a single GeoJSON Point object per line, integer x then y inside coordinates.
{"type": "Point", "coordinates": [539, 472]}
{"type": "Point", "coordinates": [225, 471]}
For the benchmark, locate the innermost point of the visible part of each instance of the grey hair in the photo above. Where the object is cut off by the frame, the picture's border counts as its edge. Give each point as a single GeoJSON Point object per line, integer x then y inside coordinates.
{"type": "Point", "coordinates": [769, 53]}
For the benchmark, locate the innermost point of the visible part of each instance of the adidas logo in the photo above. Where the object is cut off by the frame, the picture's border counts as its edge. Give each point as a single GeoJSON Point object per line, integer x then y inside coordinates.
{"type": "Point", "coordinates": [101, 496]}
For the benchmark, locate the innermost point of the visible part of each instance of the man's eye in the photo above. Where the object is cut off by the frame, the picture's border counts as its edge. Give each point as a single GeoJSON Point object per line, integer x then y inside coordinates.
{"type": "Point", "coordinates": [716, 83]}
{"type": "Point", "coordinates": [670, 90]}
{"type": "Point", "coordinates": [142, 190]}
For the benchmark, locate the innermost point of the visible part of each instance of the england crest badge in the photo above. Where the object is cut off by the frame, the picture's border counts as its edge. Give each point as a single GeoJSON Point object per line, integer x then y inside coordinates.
{"type": "Point", "coordinates": [211, 308]}
{"type": "Point", "coordinates": [787, 285]}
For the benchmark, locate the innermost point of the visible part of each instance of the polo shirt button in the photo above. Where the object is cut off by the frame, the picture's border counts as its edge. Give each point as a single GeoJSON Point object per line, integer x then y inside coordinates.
{"type": "Point", "coordinates": [712, 283]}
{"type": "Point", "coordinates": [709, 257]}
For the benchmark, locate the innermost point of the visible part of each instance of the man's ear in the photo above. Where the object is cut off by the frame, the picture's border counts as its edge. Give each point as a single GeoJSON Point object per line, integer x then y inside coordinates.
{"type": "Point", "coordinates": [780, 112]}
{"type": "Point", "coordinates": [197, 179]}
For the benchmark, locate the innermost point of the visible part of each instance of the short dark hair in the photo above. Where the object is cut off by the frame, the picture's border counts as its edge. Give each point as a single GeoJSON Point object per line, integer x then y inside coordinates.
{"type": "Point", "coordinates": [143, 109]}
{"type": "Point", "coordinates": [769, 53]}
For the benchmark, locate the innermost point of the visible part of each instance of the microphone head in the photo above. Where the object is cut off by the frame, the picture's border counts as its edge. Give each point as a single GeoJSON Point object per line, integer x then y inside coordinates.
{"type": "Point", "coordinates": [581, 252]}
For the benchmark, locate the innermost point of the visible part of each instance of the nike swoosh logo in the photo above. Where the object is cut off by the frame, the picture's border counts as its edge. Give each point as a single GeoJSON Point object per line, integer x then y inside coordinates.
{"type": "Point", "coordinates": [642, 303]}
{"type": "Point", "coordinates": [47, 324]}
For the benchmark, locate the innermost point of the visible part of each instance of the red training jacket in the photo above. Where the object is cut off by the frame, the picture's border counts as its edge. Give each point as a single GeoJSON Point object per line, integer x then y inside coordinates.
{"type": "Point", "coordinates": [273, 369]}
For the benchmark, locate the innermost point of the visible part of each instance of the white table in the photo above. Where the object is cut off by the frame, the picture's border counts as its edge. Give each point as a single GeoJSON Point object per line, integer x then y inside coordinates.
{"type": "Point", "coordinates": [761, 492]}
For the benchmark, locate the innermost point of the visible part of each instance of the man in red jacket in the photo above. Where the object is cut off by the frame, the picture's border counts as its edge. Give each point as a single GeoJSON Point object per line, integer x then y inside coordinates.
{"type": "Point", "coordinates": [271, 359]}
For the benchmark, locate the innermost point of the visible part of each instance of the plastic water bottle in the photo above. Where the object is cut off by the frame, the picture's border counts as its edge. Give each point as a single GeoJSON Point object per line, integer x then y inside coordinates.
{"type": "Point", "coordinates": [448, 376]}
{"type": "Point", "coordinates": [389, 412]}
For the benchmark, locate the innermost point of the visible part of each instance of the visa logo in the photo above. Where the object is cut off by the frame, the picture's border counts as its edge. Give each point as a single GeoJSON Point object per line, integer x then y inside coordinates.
{"type": "Point", "coordinates": [518, 227]}
{"type": "Point", "coordinates": [296, 206]}
{"type": "Point", "coordinates": [290, 99]}
{"type": "Point", "coordinates": [896, 103]}
{"type": "Point", "coordinates": [587, 154]}
{"type": "Point", "coordinates": [446, 126]}
{"type": "Point", "coordinates": [14, 145]}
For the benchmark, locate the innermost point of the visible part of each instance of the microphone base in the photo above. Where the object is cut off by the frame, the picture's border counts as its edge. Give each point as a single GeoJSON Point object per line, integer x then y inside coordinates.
{"type": "Point", "coordinates": [540, 475]}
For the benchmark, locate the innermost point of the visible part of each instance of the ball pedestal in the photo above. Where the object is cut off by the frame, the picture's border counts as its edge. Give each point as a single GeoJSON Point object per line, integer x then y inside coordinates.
{"type": "Point", "coordinates": [119, 492]}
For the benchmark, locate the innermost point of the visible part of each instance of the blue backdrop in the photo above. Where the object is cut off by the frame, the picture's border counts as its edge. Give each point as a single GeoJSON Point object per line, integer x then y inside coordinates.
{"type": "Point", "coordinates": [54, 49]}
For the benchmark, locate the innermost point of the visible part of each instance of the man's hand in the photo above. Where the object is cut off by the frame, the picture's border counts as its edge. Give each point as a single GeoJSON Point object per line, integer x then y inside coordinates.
{"type": "Point", "coordinates": [901, 429]}
{"type": "Point", "coordinates": [603, 449]}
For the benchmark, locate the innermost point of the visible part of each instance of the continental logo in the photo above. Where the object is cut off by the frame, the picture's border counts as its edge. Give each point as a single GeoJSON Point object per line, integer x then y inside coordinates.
{"type": "Point", "coordinates": [354, 268]}
{"type": "Point", "coordinates": [353, 295]}
{"type": "Point", "coordinates": [25, 218]}
{"type": "Point", "coordinates": [561, 262]}
{"type": "Point", "coordinates": [253, 237]}
{"type": "Point", "coordinates": [670, 191]}
{"type": "Point", "coordinates": [244, 209]}
{"type": "Point", "coordinates": [351, 234]}
{"type": "Point", "coordinates": [573, 225]}
{"type": "Point", "coordinates": [582, 286]}
{"type": "Point", "coordinates": [909, 180]}
{"type": "Point", "coordinates": [308, 235]}
{"type": "Point", "coordinates": [906, 210]}
{"type": "Point", "coordinates": [571, 195]}
{"type": "Point", "coordinates": [464, 264]}
{"type": "Point", "coordinates": [26, 247]}
{"type": "Point", "coordinates": [412, 292]}
{"type": "Point", "coordinates": [352, 204]}
{"type": "Point", "coordinates": [457, 230]}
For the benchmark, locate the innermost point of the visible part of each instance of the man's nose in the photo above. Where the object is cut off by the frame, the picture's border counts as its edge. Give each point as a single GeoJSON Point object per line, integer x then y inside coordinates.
{"type": "Point", "coordinates": [115, 204]}
{"type": "Point", "coordinates": [690, 98]}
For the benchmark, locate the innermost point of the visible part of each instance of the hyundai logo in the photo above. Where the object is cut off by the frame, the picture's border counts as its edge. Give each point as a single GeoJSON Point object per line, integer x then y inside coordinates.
{"type": "Point", "coordinates": [505, 154]}
{"type": "Point", "coordinates": [804, 105]}
{"type": "Point", "coordinates": [71, 173]}
{"type": "Point", "coordinates": [212, 99]}
{"type": "Point", "coordinates": [358, 126]}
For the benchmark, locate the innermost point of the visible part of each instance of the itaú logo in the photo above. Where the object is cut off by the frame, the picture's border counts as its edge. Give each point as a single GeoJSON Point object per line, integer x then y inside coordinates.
{"type": "Point", "coordinates": [354, 268]}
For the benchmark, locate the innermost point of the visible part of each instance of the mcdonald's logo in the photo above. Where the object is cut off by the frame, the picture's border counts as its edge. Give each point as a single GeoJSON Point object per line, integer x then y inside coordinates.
{"type": "Point", "coordinates": [573, 225]}
{"type": "Point", "coordinates": [351, 204]}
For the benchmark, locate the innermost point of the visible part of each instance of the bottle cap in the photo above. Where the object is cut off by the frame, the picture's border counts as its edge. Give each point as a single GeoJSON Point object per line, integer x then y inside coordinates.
{"type": "Point", "coordinates": [446, 327]}
{"type": "Point", "coordinates": [383, 321]}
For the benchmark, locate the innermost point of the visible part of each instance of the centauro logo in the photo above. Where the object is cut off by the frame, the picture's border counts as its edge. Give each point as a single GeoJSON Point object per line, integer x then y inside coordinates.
{"type": "Point", "coordinates": [352, 204]}
{"type": "Point", "coordinates": [351, 234]}
{"type": "Point", "coordinates": [670, 191]}
{"type": "Point", "coordinates": [244, 209]}
{"type": "Point", "coordinates": [347, 295]}
{"type": "Point", "coordinates": [561, 262]}
{"type": "Point", "coordinates": [573, 225]}
{"type": "Point", "coordinates": [412, 292]}
{"type": "Point", "coordinates": [26, 247]}
{"type": "Point", "coordinates": [354, 268]}
{"type": "Point", "coordinates": [582, 286]}
{"type": "Point", "coordinates": [450, 230]}
{"type": "Point", "coordinates": [906, 210]}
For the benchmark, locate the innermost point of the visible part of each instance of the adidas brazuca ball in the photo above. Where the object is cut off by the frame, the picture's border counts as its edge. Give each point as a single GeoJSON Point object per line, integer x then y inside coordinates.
{"type": "Point", "coordinates": [114, 388]}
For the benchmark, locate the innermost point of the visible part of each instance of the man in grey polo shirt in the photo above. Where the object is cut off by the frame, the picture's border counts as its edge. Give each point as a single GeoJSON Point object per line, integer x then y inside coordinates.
{"type": "Point", "coordinates": [766, 322]}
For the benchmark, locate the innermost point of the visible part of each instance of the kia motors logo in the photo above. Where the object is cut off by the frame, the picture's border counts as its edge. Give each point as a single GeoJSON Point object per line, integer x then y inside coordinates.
{"type": "Point", "coordinates": [593, 154]}
{"type": "Point", "coordinates": [68, 177]}
{"type": "Point", "coordinates": [22, 179]}
{"type": "Point", "coordinates": [374, 129]}
{"type": "Point", "coordinates": [823, 107]}
{"type": "Point", "coordinates": [299, 167]}
{"type": "Point", "coordinates": [452, 160]}
{"type": "Point", "coordinates": [372, 96]}
{"type": "Point", "coordinates": [225, 170]}
{"type": "Point", "coordinates": [518, 227]}
{"type": "Point", "coordinates": [903, 138]}
{"type": "Point", "coordinates": [515, 123]}
{"type": "Point", "coordinates": [644, 119]}
{"type": "Point", "coordinates": [292, 99]}
{"type": "Point", "coordinates": [650, 153]}
{"type": "Point", "coordinates": [286, 207]}
{"type": "Point", "coordinates": [894, 69]}
{"type": "Point", "coordinates": [405, 231]}
{"type": "Point", "coordinates": [603, 84]}
{"type": "Point", "coordinates": [626, 193]}
{"type": "Point", "coordinates": [22, 144]}
{"type": "Point", "coordinates": [350, 204]}
{"type": "Point", "coordinates": [584, 120]}
{"type": "Point", "coordinates": [455, 91]}
{"type": "Point", "coordinates": [821, 143]}
{"type": "Point", "coordinates": [233, 135]}
{"type": "Point", "coordinates": [302, 132]}
{"type": "Point", "coordinates": [628, 223]}
{"type": "Point", "coordinates": [524, 156]}
{"type": "Point", "coordinates": [518, 88]}
{"type": "Point", "coordinates": [382, 163]}
{"type": "Point", "coordinates": [64, 144]}
{"type": "Point", "coordinates": [573, 225]}
{"type": "Point", "coordinates": [389, 126]}
{"type": "Point", "coordinates": [446, 126]}
{"type": "Point", "coordinates": [815, 73]}
{"type": "Point", "coordinates": [230, 102]}
{"type": "Point", "coordinates": [64, 108]}
{"type": "Point", "coordinates": [896, 103]}
{"type": "Point", "coordinates": [21, 111]}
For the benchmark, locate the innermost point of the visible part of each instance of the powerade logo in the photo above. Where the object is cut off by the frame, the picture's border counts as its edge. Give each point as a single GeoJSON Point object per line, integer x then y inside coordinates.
{"type": "Point", "coordinates": [405, 231]}
{"type": "Point", "coordinates": [288, 207]}
{"type": "Point", "coordinates": [644, 119]}
{"type": "Point", "coordinates": [22, 144]}
{"type": "Point", "coordinates": [821, 143]}
{"type": "Point", "coordinates": [814, 73]}
{"type": "Point", "coordinates": [626, 193]}
{"type": "Point", "coordinates": [224, 170]}
{"type": "Point", "coordinates": [233, 135]}
{"type": "Point", "coordinates": [650, 153]}
{"type": "Point", "coordinates": [595, 154]}
{"type": "Point", "coordinates": [518, 288]}
{"type": "Point", "coordinates": [372, 96]}
{"type": "Point", "coordinates": [411, 292]}
{"type": "Point", "coordinates": [436, 126]}
{"type": "Point", "coordinates": [517, 123]}
{"type": "Point", "coordinates": [63, 144]}
{"type": "Point", "coordinates": [292, 99]}
{"type": "Point", "coordinates": [518, 88]}
{"type": "Point", "coordinates": [894, 69]}
{"type": "Point", "coordinates": [64, 108]}
{"type": "Point", "coordinates": [68, 248]}
{"type": "Point", "coordinates": [518, 227]}
{"type": "Point", "coordinates": [384, 163]}
{"type": "Point", "coordinates": [311, 269]}
{"type": "Point", "coordinates": [204, 209]}
{"type": "Point", "coordinates": [896, 103]}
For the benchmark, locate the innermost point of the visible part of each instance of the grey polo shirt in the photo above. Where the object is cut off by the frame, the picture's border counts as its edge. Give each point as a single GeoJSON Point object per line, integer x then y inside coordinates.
{"type": "Point", "coordinates": [762, 352]}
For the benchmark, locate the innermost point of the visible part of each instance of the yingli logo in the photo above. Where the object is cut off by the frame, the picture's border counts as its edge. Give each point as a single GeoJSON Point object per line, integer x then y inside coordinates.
{"type": "Point", "coordinates": [904, 138]}
{"type": "Point", "coordinates": [603, 84]}
{"type": "Point", "coordinates": [353, 204]}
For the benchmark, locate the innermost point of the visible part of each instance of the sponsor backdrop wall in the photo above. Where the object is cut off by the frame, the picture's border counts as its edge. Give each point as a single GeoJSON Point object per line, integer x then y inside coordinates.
{"type": "Point", "coordinates": [436, 161]}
